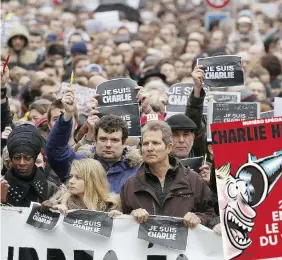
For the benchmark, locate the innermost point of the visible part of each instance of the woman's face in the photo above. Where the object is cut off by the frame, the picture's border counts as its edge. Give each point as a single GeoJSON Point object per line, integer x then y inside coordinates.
{"type": "Point", "coordinates": [76, 184]}
{"type": "Point", "coordinates": [34, 116]}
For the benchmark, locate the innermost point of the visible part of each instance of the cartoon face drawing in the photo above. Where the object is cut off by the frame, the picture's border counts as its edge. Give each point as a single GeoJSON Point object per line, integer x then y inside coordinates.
{"type": "Point", "coordinates": [239, 196]}
{"type": "Point", "coordinates": [237, 215]}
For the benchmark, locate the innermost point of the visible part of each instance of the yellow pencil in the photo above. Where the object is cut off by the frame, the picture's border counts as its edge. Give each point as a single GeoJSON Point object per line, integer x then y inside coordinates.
{"type": "Point", "coordinates": [71, 79]}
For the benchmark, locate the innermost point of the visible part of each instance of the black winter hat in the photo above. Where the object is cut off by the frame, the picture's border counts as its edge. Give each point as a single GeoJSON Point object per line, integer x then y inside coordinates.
{"type": "Point", "coordinates": [24, 139]}
{"type": "Point", "coordinates": [181, 122]}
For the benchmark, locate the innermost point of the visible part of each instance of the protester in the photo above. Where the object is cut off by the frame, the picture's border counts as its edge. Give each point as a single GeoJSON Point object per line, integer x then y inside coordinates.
{"type": "Point", "coordinates": [26, 181]}
{"type": "Point", "coordinates": [17, 48]}
{"type": "Point", "coordinates": [110, 134]}
{"type": "Point", "coordinates": [87, 188]}
{"type": "Point", "coordinates": [159, 47]}
{"type": "Point", "coordinates": [162, 183]}
{"type": "Point", "coordinates": [38, 109]}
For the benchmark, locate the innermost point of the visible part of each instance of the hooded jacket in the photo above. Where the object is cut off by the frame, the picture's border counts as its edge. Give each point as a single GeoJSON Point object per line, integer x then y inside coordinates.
{"type": "Point", "coordinates": [25, 57]}
{"type": "Point", "coordinates": [60, 156]}
{"type": "Point", "coordinates": [253, 36]}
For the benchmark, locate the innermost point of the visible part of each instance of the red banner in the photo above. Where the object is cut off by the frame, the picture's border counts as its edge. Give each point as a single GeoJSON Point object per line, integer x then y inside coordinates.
{"type": "Point", "coordinates": [248, 162]}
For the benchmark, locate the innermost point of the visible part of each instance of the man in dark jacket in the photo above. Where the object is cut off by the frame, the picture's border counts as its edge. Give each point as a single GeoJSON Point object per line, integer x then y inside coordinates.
{"type": "Point", "coordinates": [162, 185]}
{"type": "Point", "coordinates": [110, 134]}
{"type": "Point", "coordinates": [26, 181]}
{"type": "Point", "coordinates": [194, 111]}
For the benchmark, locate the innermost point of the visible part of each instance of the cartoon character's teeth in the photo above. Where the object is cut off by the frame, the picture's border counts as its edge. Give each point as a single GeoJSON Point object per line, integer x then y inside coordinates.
{"type": "Point", "coordinates": [241, 241]}
{"type": "Point", "coordinates": [237, 239]}
{"type": "Point", "coordinates": [240, 225]}
{"type": "Point", "coordinates": [229, 216]}
{"type": "Point", "coordinates": [249, 229]}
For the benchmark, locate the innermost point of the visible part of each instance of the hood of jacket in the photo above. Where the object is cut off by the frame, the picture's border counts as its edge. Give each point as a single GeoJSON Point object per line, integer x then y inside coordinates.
{"type": "Point", "coordinates": [130, 154]}
{"type": "Point", "coordinates": [18, 30]}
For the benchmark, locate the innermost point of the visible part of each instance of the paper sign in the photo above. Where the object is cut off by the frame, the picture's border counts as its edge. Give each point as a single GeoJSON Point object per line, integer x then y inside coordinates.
{"type": "Point", "coordinates": [164, 231]}
{"type": "Point", "coordinates": [230, 112]}
{"type": "Point", "coordinates": [129, 113]}
{"type": "Point", "coordinates": [92, 221]}
{"type": "Point", "coordinates": [194, 163]}
{"type": "Point", "coordinates": [46, 221]}
{"type": "Point", "coordinates": [222, 71]}
{"type": "Point", "coordinates": [117, 92]}
{"type": "Point", "coordinates": [83, 96]}
{"type": "Point", "coordinates": [178, 97]}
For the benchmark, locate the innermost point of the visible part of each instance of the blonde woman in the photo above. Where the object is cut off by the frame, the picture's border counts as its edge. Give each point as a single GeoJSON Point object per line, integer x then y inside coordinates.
{"type": "Point", "coordinates": [87, 188]}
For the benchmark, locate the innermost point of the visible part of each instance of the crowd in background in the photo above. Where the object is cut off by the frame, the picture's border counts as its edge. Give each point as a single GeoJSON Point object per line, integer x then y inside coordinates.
{"type": "Point", "coordinates": [46, 42]}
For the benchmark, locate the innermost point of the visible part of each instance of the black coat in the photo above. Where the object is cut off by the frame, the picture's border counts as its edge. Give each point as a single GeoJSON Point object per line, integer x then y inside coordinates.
{"type": "Point", "coordinates": [22, 192]}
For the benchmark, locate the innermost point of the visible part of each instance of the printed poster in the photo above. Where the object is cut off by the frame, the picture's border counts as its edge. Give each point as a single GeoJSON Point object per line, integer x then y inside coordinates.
{"type": "Point", "coordinates": [248, 162]}
{"type": "Point", "coordinates": [43, 220]}
{"type": "Point", "coordinates": [164, 231]}
{"type": "Point", "coordinates": [91, 221]}
{"type": "Point", "coordinates": [222, 71]}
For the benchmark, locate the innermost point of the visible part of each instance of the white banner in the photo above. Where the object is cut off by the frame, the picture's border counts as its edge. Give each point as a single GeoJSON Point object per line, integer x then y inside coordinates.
{"type": "Point", "coordinates": [202, 243]}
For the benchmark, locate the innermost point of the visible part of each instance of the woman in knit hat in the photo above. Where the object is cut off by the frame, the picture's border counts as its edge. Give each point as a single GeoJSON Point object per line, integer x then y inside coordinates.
{"type": "Point", "coordinates": [26, 181]}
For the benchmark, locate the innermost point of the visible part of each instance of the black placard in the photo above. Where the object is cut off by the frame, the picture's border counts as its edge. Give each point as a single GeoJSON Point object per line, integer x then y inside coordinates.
{"type": "Point", "coordinates": [194, 163]}
{"type": "Point", "coordinates": [129, 113]}
{"type": "Point", "coordinates": [230, 112]}
{"type": "Point", "coordinates": [178, 97]}
{"type": "Point", "coordinates": [47, 220]}
{"type": "Point", "coordinates": [164, 231]}
{"type": "Point", "coordinates": [91, 221]}
{"type": "Point", "coordinates": [223, 71]}
{"type": "Point", "coordinates": [267, 114]}
{"type": "Point", "coordinates": [117, 92]}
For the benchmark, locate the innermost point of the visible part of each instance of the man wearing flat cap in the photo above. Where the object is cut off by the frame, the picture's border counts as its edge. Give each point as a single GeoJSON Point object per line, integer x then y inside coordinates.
{"type": "Point", "coordinates": [184, 128]}
{"type": "Point", "coordinates": [26, 181]}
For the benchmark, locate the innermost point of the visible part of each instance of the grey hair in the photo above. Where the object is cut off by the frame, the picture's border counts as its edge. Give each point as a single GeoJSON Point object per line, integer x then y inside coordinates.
{"type": "Point", "coordinates": [162, 126]}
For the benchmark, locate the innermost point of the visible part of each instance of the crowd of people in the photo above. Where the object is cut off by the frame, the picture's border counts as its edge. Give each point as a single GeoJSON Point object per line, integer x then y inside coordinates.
{"type": "Point", "coordinates": [52, 154]}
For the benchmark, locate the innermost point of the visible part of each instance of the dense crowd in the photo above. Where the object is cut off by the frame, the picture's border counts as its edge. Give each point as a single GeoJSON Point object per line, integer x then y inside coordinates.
{"type": "Point", "coordinates": [53, 154]}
